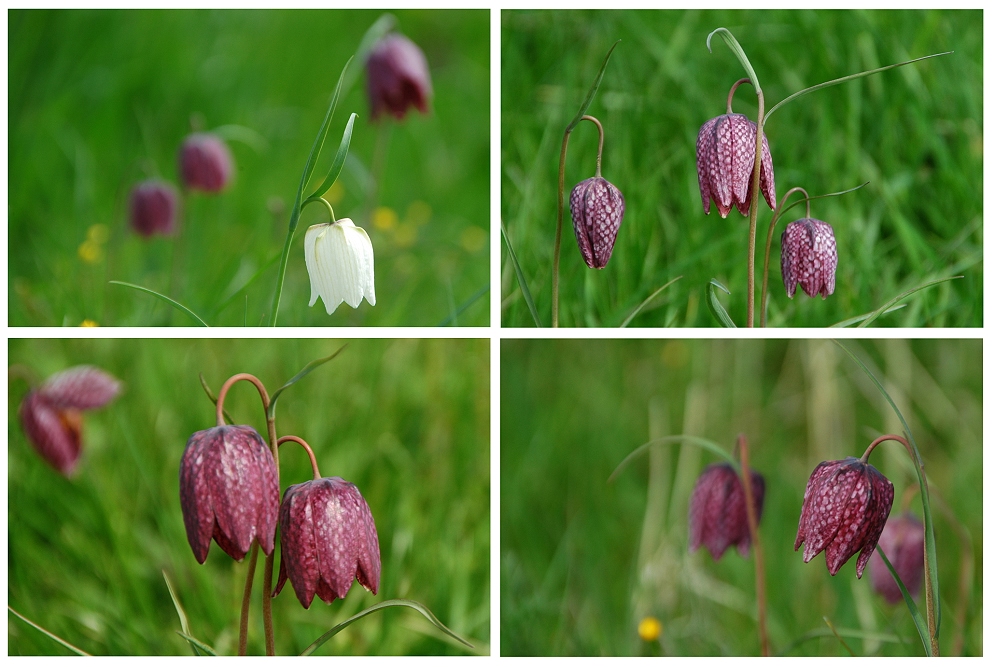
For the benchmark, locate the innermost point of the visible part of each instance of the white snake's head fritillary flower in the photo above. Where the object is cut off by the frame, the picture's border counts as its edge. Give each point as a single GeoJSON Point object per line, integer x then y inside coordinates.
{"type": "Point", "coordinates": [339, 259]}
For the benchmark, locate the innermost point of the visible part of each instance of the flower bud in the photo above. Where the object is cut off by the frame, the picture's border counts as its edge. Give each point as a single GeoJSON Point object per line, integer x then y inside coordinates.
{"type": "Point", "coordinates": [205, 163]}
{"type": "Point", "coordinates": [153, 208]}
{"type": "Point", "coordinates": [808, 257]}
{"type": "Point", "coordinates": [596, 207]}
{"type": "Point", "coordinates": [397, 77]}
{"type": "Point", "coordinates": [717, 510]}
{"type": "Point", "coordinates": [726, 152]}
{"type": "Point", "coordinates": [844, 510]}
{"type": "Point", "coordinates": [228, 491]}
{"type": "Point", "coordinates": [902, 541]}
{"type": "Point", "coordinates": [327, 539]}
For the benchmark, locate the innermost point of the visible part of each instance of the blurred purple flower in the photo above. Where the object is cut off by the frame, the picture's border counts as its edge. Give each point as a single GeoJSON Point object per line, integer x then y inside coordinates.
{"type": "Point", "coordinates": [51, 414]}
{"type": "Point", "coordinates": [228, 491]}
{"type": "Point", "coordinates": [397, 77]}
{"type": "Point", "coordinates": [844, 510]}
{"type": "Point", "coordinates": [205, 163]}
{"type": "Point", "coordinates": [153, 208]}
{"type": "Point", "coordinates": [726, 151]}
{"type": "Point", "coordinates": [327, 539]}
{"type": "Point", "coordinates": [902, 540]}
{"type": "Point", "coordinates": [596, 207]}
{"type": "Point", "coordinates": [717, 510]}
{"type": "Point", "coordinates": [808, 257]}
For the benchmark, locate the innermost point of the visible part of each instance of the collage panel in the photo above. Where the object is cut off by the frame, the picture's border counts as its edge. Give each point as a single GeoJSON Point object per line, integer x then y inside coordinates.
{"type": "Point", "coordinates": [131, 496]}
{"type": "Point", "coordinates": [626, 528]}
{"type": "Point", "coordinates": [866, 194]}
{"type": "Point", "coordinates": [163, 166]}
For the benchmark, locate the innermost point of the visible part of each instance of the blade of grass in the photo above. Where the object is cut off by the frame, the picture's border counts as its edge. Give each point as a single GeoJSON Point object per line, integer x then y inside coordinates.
{"type": "Point", "coordinates": [841, 632]}
{"type": "Point", "coordinates": [861, 318]}
{"type": "Point", "coordinates": [837, 635]}
{"type": "Point", "coordinates": [184, 624]}
{"type": "Point", "coordinates": [175, 304]}
{"type": "Point", "coordinates": [214, 399]}
{"type": "Point", "coordinates": [77, 651]}
{"type": "Point", "coordinates": [300, 375]}
{"type": "Point", "coordinates": [199, 644]}
{"type": "Point", "coordinates": [594, 89]}
{"type": "Point", "coordinates": [718, 310]}
{"type": "Point", "coordinates": [466, 304]}
{"type": "Point", "coordinates": [738, 51]}
{"type": "Point", "coordinates": [646, 301]}
{"type": "Point", "coordinates": [336, 168]}
{"type": "Point", "coordinates": [417, 606]}
{"type": "Point", "coordinates": [521, 278]}
{"type": "Point", "coordinates": [704, 443]}
{"type": "Point", "coordinates": [913, 609]}
{"type": "Point", "coordinates": [890, 302]}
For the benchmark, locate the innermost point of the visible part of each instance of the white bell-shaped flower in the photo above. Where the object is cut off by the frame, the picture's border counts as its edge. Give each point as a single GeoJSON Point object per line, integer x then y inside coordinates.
{"type": "Point", "coordinates": [339, 259]}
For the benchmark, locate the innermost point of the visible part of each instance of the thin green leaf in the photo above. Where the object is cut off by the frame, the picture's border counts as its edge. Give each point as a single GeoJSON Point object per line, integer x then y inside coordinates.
{"type": "Point", "coordinates": [913, 609]}
{"type": "Point", "coordinates": [841, 632]}
{"type": "Point", "coordinates": [300, 375]}
{"type": "Point", "coordinates": [832, 628]}
{"type": "Point", "coordinates": [890, 302]}
{"type": "Point", "coordinates": [214, 399]}
{"type": "Point", "coordinates": [175, 304]}
{"type": "Point", "coordinates": [927, 514]}
{"type": "Point", "coordinates": [738, 51]}
{"type": "Point", "coordinates": [593, 91]}
{"type": "Point", "coordinates": [340, 156]}
{"type": "Point", "coordinates": [199, 644]}
{"type": "Point", "coordinates": [184, 624]}
{"type": "Point", "coordinates": [844, 79]}
{"type": "Point", "coordinates": [377, 31]}
{"type": "Point", "coordinates": [861, 318]}
{"type": "Point", "coordinates": [713, 447]}
{"type": "Point", "coordinates": [77, 651]}
{"type": "Point", "coordinates": [521, 277]}
{"type": "Point", "coordinates": [718, 310]}
{"type": "Point", "coordinates": [466, 304]}
{"type": "Point", "coordinates": [417, 606]}
{"type": "Point", "coordinates": [805, 199]}
{"type": "Point", "coordinates": [646, 301]}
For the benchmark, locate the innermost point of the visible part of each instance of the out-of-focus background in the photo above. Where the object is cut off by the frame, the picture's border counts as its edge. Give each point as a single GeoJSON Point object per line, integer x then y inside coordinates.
{"type": "Point", "coordinates": [407, 421]}
{"type": "Point", "coordinates": [583, 561]}
{"type": "Point", "coordinates": [914, 134]}
{"type": "Point", "coordinates": [100, 100]}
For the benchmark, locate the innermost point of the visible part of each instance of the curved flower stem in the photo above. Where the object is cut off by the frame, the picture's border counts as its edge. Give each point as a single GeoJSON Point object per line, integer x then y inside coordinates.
{"type": "Point", "coordinates": [601, 141]}
{"type": "Point", "coordinates": [758, 561]}
{"type": "Point", "coordinates": [220, 406]}
{"type": "Point", "coordinates": [930, 601]}
{"type": "Point", "coordinates": [243, 621]}
{"type": "Point", "coordinates": [310, 452]}
{"type": "Point", "coordinates": [754, 207]}
{"type": "Point", "coordinates": [732, 91]}
{"type": "Point", "coordinates": [770, 238]}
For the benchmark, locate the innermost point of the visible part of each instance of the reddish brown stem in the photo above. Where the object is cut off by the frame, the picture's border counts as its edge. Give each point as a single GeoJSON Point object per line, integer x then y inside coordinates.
{"type": "Point", "coordinates": [758, 561]}
{"type": "Point", "coordinates": [220, 408]}
{"type": "Point", "coordinates": [307, 447]}
{"type": "Point", "coordinates": [732, 91]}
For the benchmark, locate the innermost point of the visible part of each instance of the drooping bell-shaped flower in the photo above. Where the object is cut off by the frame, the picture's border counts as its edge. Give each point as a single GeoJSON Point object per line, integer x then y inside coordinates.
{"type": "Point", "coordinates": [51, 415]}
{"type": "Point", "coordinates": [397, 77]}
{"type": "Point", "coordinates": [726, 152]}
{"type": "Point", "coordinates": [902, 540]}
{"type": "Point", "coordinates": [339, 258]}
{"type": "Point", "coordinates": [717, 510]}
{"type": "Point", "coordinates": [844, 510]}
{"type": "Point", "coordinates": [153, 208]}
{"type": "Point", "coordinates": [596, 207]}
{"type": "Point", "coordinates": [327, 539]}
{"type": "Point", "coordinates": [808, 257]}
{"type": "Point", "coordinates": [206, 163]}
{"type": "Point", "coordinates": [228, 491]}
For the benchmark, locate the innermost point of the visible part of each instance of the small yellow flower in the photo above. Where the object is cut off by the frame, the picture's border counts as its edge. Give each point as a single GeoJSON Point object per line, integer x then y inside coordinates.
{"type": "Point", "coordinates": [90, 252]}
{"type": "Point", "coordinates": [384, 218]}
{"type": "Point", "coordinates": [88, 323]}
{"type": "Point", "coordinates": [649, 629]}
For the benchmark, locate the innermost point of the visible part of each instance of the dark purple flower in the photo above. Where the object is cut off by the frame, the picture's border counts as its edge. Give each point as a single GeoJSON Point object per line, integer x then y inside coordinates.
{"type": "Point", "coordinates": [205, 163]}
{"type": "Point", "coordinates": [51, 414]}
{"type": "Point", "coordinates": [327, 539]}
{"type": "Point", "coordinates": [717, 511]}
{"type": "Point", "coordinates": [727, 149]}
{"type": "Point", "coordinates": [596, 207]}
{"type": "Point", "coordinates": [228, 491]}
{"type": "Point", "coordinates": [397, 77]}
{"type": "Point", "coordinates": [844, 510]}
{"type": "Point", "coordinates": [902, 540]}
{"type": "Point", "coordinates": [808, 257]}
{"type": "Point", "coordinates": [153, 208]}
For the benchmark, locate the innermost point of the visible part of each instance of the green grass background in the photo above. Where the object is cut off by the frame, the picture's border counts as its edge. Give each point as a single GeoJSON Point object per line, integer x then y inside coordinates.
{"type": "Point", "coordinates": [100, 100]}
{"type": "Point", "coordinates": [914, 133]}
{"type": "Point", "coordinates": [407, 421]}
{"type": "Point", "coordinates": [582, 560]}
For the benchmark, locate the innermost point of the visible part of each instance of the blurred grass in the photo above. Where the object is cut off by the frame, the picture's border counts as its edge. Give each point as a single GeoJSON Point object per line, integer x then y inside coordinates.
{"type": "Point", "coordinates": [583, 561]}
{"type": "Point", "coordinates": [100, 100]}
{"type": "Point", "coordinates": [915, 133]}
{"type": "Point", "coordinates": [406, 420]}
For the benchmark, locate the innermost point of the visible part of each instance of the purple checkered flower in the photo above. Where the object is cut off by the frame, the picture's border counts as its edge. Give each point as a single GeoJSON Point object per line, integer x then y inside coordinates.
{"type": "Point", "coordinates": [808, 257]}
{"type": "Point", "coordinates": [596, 207]}
{"type": "Point", "coordinates": [902, 540]}
{"type": "Point", "coordinates": [205, 163]}
{"type": "Point", "coordinates": [717, 512]}
{"type": "Point", "coordinates": [153, 208]}
{"type": "Point", "coordinates": [726, 152]}
{"type": "Point", "coordinates": [397, 77]}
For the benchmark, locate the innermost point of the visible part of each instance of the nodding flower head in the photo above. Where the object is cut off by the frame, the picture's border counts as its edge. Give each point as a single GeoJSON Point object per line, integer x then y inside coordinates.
{"type": "Point", "coordinates": [844, 510]}
{"type": "Point", "coordinates": [808, 257]}
{"type": "Point", "coordinates": [726, 151]}
{"type": "Point", "coordinates": [153, 208]}
{"type": "Point", "coordinates": [205, 163]}
{"type": "Point", "coordinates": [228, 491]}
{"type": "Point", "coordinates": [596, 207]}
{"type": "Point", "coordinates": [339, 260]}
{"type": "Point", "coordinates": [327, 539]}
{"type": "Point", "coordinates": [397, 77]}
{"type": "Point", "coordinates": [51, 415]}
{"type": "Point", "coordinates": [902, 541]}
{"type": "Point", "coordinates": [717, 511]}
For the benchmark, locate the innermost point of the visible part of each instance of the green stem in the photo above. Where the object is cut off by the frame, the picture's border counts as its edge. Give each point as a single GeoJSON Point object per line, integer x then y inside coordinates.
{"type": "Point", "coordinates": [754, 205]}
{"type": "Point", "coordinates": [283, 271]}
{"type": "Point", "coordinates": [243, 621]}
{"type": "Point", "coordinates": [559, 229]}
{"type": "Point", "coordinates": [770, 238]}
